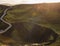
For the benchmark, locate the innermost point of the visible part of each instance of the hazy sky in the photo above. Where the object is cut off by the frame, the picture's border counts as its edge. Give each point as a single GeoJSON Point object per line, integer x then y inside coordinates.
{"type": "Point", "coordinates": [27, 1]}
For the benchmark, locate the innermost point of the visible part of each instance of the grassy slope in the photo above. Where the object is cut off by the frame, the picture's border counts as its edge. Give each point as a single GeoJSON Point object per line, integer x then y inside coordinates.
{"type": "Point", "coordinates": [43, 14]}
{"type": "Point", "coordinates": [47, 14]}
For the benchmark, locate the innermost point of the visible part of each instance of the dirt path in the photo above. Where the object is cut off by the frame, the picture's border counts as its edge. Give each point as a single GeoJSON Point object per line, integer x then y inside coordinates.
{"type": "Point", "coordinates": [1, 18]}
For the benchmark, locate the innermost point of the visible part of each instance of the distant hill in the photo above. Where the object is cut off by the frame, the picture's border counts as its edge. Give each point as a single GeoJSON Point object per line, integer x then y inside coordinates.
{"type": "Point", "coordinates": [3, 6]}
{"type": "Point", "coordinates": [49, 12]}
{"type": "Point", "coordinates": [44, 13]}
